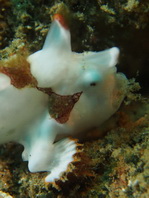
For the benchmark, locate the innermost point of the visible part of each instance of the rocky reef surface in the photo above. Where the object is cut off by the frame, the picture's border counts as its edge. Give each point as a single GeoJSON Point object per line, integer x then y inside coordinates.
{"type": "Point", "coordinates": [116, 164]}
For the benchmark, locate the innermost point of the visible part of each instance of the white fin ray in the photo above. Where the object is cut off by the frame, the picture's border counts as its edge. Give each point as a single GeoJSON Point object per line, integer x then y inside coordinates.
{"type": "Point", "coordinates": [58, 38]}
{"type": "Point", "coordinates": [107, 58]}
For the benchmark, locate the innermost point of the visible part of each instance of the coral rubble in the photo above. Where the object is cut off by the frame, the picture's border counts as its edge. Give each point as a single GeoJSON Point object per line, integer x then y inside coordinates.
{"type": "Point", "coordinates": [117, 164]}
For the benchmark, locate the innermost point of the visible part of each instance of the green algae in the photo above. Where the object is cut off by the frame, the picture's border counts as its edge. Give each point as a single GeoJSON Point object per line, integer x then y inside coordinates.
{"type": "Point", "coordinates": [117, 163]}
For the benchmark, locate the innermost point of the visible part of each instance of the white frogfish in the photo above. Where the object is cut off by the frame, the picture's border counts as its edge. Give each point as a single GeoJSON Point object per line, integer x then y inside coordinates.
{"type": "Point", "coordinates": [74, 92]}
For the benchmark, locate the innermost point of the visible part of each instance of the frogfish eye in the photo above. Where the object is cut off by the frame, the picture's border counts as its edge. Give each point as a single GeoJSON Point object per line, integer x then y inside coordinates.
{"type": "Point", "coordinates": [92, 78]}
{"type": "Point", "coordinates": [92, 84]}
